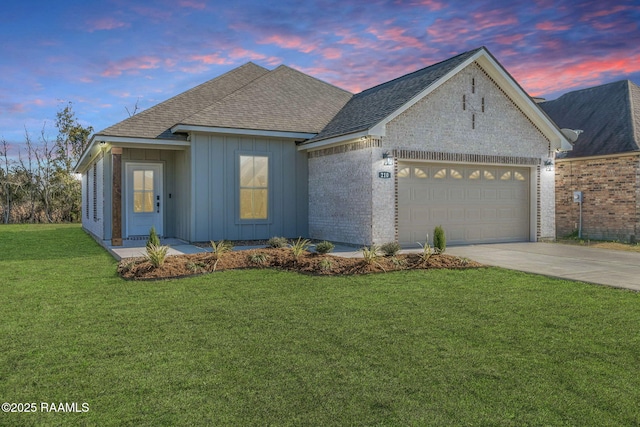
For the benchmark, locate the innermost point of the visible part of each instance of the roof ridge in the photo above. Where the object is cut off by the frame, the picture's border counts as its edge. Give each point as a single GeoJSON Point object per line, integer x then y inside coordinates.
{"type": "Point", "coordinates": [313, 77]}
{"type": "Point", "coordinates": [160, 105]}
{"type": "Point", "coordinates": [422, 69]}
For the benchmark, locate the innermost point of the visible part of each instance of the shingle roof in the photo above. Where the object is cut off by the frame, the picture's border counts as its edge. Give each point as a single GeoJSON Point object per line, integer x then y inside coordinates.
{"type": "Point", "coordinates": [281, 100]}
{"type": "Point", "coordinates": [369, 107]}
{"type": "Point", "coordinates": [608, 114]}
{"type": "Point", "coordinates": [156, 121]}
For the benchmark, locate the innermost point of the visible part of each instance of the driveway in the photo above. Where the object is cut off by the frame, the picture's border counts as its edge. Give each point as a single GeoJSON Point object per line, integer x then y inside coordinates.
{"type": "Point", "coordinates": [602, 266]}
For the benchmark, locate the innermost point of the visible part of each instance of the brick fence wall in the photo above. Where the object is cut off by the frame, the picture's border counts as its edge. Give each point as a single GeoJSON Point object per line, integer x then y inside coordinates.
{"type": "Point", "coordinates": [610, 208]}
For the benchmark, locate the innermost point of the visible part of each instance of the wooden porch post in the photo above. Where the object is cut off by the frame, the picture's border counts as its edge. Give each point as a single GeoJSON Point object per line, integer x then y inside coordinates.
{"type": "Point", "coordinates": [116, 197]}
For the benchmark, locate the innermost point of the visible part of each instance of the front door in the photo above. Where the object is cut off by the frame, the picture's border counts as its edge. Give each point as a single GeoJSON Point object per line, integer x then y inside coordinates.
{"type": "Point", "coordinates": [144, 198]}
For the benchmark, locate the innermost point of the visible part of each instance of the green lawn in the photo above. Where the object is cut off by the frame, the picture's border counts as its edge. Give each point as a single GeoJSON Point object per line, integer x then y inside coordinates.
{"type": "Point", "coordinates": [260, 347]}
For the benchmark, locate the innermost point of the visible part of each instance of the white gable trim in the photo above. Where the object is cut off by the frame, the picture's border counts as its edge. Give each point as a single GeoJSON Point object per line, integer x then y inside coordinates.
{"type": "Point", "coordinates": [238, 131]}
{"type": "Point", "coordinates": [505, 82]}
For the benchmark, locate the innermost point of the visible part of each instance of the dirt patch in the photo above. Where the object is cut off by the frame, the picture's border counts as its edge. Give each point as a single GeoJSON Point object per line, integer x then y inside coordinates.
{"type": "Point", "coordinates": [627, 247]}
{"type": "Point", "coordinates": [309, 263]}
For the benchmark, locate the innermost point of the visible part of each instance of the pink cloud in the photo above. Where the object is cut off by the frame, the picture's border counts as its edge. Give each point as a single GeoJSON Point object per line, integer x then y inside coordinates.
{"type": "Point", "coordinates": [608, 12]}
{"type": "Point", "coordinates": [551, 26]}
{"type": "Point", "coordinates": [453, 31]}
{"type": "Point", "coordinates": [132, 64]}
{"type": "Point", "coordinates": [331, 53]}
{"type": "Point", "coordinates": [241, 53]}
{"type": "Point", "coordinates": [155, 14]}
{"type": "Point", "coordinates": [509, 39]}
{"type": "Point", "coordinates": [493, 18]}
{"type": "Point", "coordinates": [349, 38]}
{"type": "Point", "coordinates": [396, 35]}
{"type": "Point", "coordinates": [432, 5]}
{"type": "Point", "coordinates": [289, 42]}
{"type": "Point", "coordinates": [561, 75]}
{"type": "Point", "coordinates": [106, 24]}
{"type": "Point", "coordinates": [210, 59]}
{"type": "Point", "coordinates": [193, 4]}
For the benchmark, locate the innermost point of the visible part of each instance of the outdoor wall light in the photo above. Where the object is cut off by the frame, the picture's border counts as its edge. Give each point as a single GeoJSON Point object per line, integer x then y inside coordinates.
{"type": "Point", "coordinates": [548, 164]}
{"type": "Point", "coordinates": [388, 158]}
{"type": "Point", "coordinates": [103, 144]}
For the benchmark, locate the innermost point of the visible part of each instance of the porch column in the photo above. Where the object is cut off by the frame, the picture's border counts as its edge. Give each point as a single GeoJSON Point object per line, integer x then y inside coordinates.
{"type": "Point", "coordinates": [116, 197]}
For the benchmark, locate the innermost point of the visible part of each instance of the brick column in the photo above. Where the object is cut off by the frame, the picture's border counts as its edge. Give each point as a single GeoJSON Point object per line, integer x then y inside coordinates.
{"type": "Point", "coordinates": [116, 197]}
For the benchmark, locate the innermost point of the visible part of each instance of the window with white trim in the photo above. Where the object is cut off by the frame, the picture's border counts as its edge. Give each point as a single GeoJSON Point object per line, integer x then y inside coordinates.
{"type": "Point", "coordinates": [254, 187]}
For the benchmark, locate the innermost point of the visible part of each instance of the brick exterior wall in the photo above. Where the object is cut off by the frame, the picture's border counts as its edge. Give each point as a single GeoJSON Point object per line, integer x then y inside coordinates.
{"type": "Point", "coordinates": [340, 194]}
{"type": "Point", "coordinates": [611, 197]}
{"type": "Point", "coordinates": [348, 202]}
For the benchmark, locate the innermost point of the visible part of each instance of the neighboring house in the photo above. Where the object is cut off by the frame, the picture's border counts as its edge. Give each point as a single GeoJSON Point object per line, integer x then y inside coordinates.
{"type": "Point", "coordinates": [604, 163]}
{"type": "Point", "coordinates": [256, 153]}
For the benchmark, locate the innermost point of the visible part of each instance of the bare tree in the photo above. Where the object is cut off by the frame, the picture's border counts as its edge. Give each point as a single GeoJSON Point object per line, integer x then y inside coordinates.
{"type": "Point", "coordinates": [135, 108]}
{"type": "Point", "coordinates": [5, 181]}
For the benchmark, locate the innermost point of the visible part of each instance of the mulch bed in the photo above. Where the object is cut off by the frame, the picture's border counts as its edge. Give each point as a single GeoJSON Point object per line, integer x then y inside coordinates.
{"type": "Point", "coordinates": [308, 263]}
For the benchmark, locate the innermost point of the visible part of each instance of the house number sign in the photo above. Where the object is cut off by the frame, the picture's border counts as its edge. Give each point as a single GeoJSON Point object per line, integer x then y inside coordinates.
{"type": "Point", "coordinates": [384, 175]}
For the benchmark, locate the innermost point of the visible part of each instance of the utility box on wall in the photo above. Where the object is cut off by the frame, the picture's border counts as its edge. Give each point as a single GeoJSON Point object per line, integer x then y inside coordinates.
{"type": "Point", "coordinates": [577, 196]}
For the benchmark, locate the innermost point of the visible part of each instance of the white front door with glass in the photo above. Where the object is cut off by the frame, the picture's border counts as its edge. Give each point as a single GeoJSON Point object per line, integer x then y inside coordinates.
{"type": "Point", "coordinates": [143, 198]}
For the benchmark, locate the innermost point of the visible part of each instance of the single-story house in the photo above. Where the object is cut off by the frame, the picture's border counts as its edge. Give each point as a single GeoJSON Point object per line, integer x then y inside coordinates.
{"type": "Point", "coordinates": [604, 164]}
{"type": "Point", "coordinates": [257, 153]}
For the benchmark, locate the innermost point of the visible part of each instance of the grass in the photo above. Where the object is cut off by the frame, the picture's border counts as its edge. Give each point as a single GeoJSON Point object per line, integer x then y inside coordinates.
{"type": "Point", "coordinates": [259, 347]}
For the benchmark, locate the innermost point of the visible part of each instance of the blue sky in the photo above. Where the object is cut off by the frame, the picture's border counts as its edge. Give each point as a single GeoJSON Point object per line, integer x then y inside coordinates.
{"type": "Point", "coordinates": [104, 56]}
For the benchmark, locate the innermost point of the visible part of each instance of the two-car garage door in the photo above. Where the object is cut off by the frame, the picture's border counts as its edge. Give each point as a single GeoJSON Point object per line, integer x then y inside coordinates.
{"type": "Point", "coordinates": [474, 204]}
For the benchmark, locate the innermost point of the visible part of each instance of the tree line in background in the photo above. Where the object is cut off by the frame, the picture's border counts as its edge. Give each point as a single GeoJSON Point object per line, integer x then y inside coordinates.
{"type": "Point", "coordinates": [40, 186]}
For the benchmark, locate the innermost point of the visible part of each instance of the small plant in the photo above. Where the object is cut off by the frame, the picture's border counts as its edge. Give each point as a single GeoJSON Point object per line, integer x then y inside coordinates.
{"type": "Point", "coordinates": [463, 260]}
{"type": "Point", "coordinates": [426, 250]}
{"type": "Point", "coordinates": [156, 255]}
{"type": "Point", "coordinates": [219, 249]}
{"type": "Point", "coordinates": [127, 267]}
{"type": "Point", "coordinates": [399, 262]}
{"type": "Point", "coordinates": [258, 258]}
{"type": "Point", "coordinates": [325, 264]}
{"type": "Point", "coordinates": [371, 254]}
{"type": "Point", "coordinates": [390, 249]}
{"type": "Point", "coordinates": [196, 267]}
{"type": "Point", "coordinates": [439, 239]}
{"type": "Point", "coordinates": [324, 247]}
{"type": "Point", "coordinates": [299, 247]}
{"type": "Point", "coordinates": [277, 242]}
{"type": "Point", "coordinates": [153, 238]}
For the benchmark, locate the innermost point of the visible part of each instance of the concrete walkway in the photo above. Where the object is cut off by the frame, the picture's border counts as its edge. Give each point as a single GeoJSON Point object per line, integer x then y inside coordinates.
{"type": "Point", "coordinates": [601, 266]}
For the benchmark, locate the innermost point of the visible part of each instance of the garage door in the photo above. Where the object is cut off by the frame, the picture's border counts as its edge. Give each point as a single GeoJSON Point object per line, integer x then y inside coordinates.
{"type": "Point", "coordinates": [474, 204]}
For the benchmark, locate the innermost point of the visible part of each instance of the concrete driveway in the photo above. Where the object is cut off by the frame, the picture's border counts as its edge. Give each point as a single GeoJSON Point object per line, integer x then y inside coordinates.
{"type": "Point", "coordinates": [602, 266]}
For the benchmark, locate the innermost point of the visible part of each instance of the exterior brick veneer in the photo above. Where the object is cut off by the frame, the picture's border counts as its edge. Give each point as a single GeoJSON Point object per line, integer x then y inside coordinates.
{"type": "Point", "coordinates": [611, 197]}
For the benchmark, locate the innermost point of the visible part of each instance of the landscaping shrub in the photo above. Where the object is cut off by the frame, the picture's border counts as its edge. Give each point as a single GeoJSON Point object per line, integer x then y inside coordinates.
{"type": "Point", "coordinates": [325, 264]}
{"type": "Point", "coordinates": [156, 255]}
{"type": "Point", "coordinates": [277, 242]}
{"type": "Point", "coordinates": [258, 258]}
{"type": "Point", "coordinates": [153, 238]}
{"type": "Point", "coordinates": [219, 249]}
{"type": "Point", "coordinates": [439, 239]}
{"type": "Point", "coordinates": [324, 247]}
{"type": "Point", "coordinates": [299, 247]}
{"type": "Point", "coordinates": [426, 250]}
{"type": "Point", "coordinates": [390, 249]}
{"type": "Point", "coordinates": [371, 254]}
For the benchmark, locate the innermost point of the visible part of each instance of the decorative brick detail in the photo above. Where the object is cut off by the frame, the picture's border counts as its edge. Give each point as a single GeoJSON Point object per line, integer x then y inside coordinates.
{"type": "Point", "coordinates": [368, 142]}
{"type": "Point", "coordinates": [513, 103]}
{"type": "Point", "coordinates": [611, 202]}
{"type": "Point", "coordinates": [466, 158]}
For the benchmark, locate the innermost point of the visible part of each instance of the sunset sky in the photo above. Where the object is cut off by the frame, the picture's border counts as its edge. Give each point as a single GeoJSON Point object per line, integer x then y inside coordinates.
{"type": "Point", "coordinates": [104, 56]}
